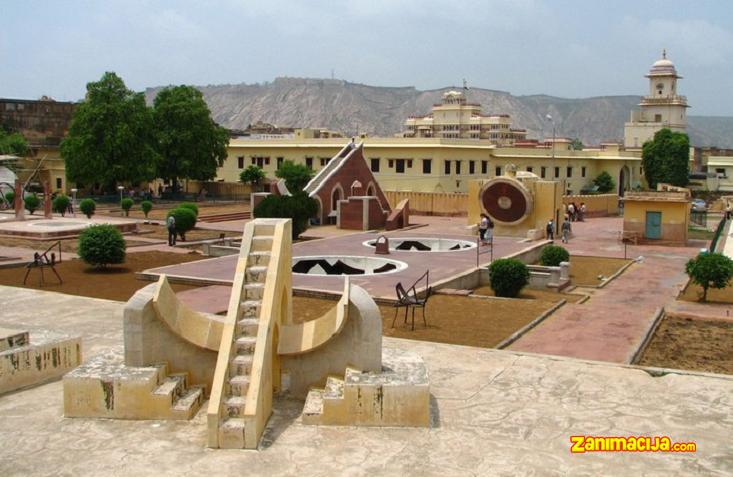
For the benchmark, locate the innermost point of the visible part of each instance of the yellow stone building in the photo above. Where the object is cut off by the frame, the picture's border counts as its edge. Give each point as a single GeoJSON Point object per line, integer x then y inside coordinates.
{"type": "Point", "coordinates": [455, 118]}
{"type": "Point", "coordinates": [442, 165]}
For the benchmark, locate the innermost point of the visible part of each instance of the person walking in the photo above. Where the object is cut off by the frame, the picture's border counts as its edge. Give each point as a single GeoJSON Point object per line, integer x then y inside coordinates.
{"type": "Point", "coordinates": [483, 227]}
{"type": "Point", "coordinates": [171, 224]}
{"type": "Point", "coordinates": [550, 230]}
{"type": "Point", "coordinates": [566, 229]}
{"type": "Point", "coordinates": [581, 212]}
{"type": "Point", "coordinates": [571, 210]}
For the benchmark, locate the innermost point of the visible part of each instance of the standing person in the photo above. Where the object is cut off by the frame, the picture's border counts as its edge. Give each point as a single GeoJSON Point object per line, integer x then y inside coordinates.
{"type": "Point", "coordinates": [483, 227]}
{"type": "Point", "coordinates": [581, 212]}
{"type": "Point", "coordinates": [550, 229]}
{"type": "Point", "coordinates": [566, 230]}
{"type": "Point", "coordinates": [489, 235]}
{"type": "Point", "coordinates": [171, 224]}
{"type": "Point", "coordinates": [571, 210]}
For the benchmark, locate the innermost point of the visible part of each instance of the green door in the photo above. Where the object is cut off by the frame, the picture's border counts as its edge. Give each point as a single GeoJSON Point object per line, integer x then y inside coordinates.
{"type": "Point", "coordinates": [653, 228]}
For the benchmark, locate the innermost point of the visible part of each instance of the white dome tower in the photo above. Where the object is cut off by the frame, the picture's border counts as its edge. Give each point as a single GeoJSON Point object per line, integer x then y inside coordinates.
{"type": "Point", "coordinates": [661, 108]}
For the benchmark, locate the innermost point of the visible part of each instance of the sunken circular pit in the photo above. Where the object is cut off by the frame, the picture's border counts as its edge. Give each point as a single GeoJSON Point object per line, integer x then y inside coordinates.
{"type": "Point", "coordinates": [345, 265]}
{"type": "Point", "coordinates": [425, 244]}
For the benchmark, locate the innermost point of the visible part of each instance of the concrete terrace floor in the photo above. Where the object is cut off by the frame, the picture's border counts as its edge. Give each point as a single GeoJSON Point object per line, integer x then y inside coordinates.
{"type": "Point", "coordinates": [442, 265]}
{"type": "Point", "coordinates": [494, 413]}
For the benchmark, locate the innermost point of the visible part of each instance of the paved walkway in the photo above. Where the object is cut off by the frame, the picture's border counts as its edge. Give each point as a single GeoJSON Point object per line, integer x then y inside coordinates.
{"type": "Point", "coordinates": [493, 413]}
{"type": "Point", "coordinates": [611, 325]}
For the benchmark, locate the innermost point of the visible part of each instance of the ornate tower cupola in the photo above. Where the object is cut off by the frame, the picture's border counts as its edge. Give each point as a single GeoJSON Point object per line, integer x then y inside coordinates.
{"type": "Point", "coordinates": [661, 108]}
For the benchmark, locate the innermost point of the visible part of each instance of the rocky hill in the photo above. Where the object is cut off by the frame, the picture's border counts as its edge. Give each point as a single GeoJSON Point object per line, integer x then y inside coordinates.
{"type": "Point", "coordinates": [381, 111]}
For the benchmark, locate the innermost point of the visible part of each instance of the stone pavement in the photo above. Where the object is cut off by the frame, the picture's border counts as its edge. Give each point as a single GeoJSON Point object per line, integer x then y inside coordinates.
{"type": "Point", "coordinates": [494, 413]}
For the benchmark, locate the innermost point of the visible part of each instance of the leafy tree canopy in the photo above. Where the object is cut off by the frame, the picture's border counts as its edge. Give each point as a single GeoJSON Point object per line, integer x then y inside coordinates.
{"type": "Point", "coordinates": [252, 175]}
{"type": "Point", "coordinates": [710, 270]}
{"type": "Point", "coordinates": [110, 137]}
{"type": "Point", "coordinates": [12, 143]}
{"type": "Point", "coordinates": [191, 145]}
{"type": "Point", "coordinates": [576, 145]}
{"type": "Point", "coordinates": [296, 176]}
{"type": "Point", "coordinates": [604, 182]}
{"type": "Point", "coordinates": [666, 158]}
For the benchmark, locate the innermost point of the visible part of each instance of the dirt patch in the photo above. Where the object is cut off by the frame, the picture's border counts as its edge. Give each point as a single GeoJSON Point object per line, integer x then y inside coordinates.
{"type": "Point", "coordinates": [686, 343]}
{"type": "Point", "coordinates": [160, 210]}
{"type": "Point", "coordinates": [68, 245]}
{"type": "Point", "coordinates": [584, 271]}
{"type": "Point", "coordinates": [693, 292]}
{"type": "Point", "coordinates": [532, 294]}
{"type": "Point", "coordinates": [469, 321]}
{"type": "Point", "coordinates": [160, 232]}
{"type": "Point", "coordinates": [114, 283]}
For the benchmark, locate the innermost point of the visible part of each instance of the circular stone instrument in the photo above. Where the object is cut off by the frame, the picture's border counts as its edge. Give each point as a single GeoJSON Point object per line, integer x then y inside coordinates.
{"type": "Point", "coordinates": [506, 200]}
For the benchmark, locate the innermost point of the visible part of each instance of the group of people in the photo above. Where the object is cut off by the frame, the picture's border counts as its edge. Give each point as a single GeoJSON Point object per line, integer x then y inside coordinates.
{"type": "Point", "coordinates": [574, 212]}
{"type": "Point", "coordinates": [565, 229]}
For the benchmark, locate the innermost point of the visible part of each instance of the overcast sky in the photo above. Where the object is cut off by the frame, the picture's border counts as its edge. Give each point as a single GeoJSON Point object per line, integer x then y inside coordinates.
{"type": "Point", "coordinates": [561, 48]}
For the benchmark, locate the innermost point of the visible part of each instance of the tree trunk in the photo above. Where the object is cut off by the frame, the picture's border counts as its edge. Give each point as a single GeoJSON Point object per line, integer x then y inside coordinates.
{"type": "Point", "coordinates": [704, 293]}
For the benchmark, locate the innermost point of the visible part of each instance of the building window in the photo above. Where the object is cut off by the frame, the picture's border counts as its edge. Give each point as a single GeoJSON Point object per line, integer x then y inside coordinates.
{"type": "Point", "coordinates": [391, 163]}
{"type": "Point", "coordinates": [543, 172]}
{"type": "Point", "coordinates": [254, 160]}
{"type": "Point", "coordinates": [557, 172]}
{"type": "Point", "coordinates": [582, 171]}
{"type": "Point", "coordinates": [267, 161]}
{"type": "Point", "coordinates": [400, 166]}
{"type": "Point", "coordinates": [458, 167]}
{"type": "Point", "coordinates": [657, 118]}
{"type": "Point", "coordinates": [427, 166]}
{"type": "Point", "coordinates": [641, 171]}
{"type": "Point", "coordinates": [374, 163]}
{"type": "Point", "coordinates": [58, 183]}
{"type": "Point", "coordinates": [472, 167]}
{"type": "Point", "coordinates": [309, 162]}
{"type": "Point", "coordinates": [529, 169]}
{"type": "Point", "coordinates": [484, 167]}
{"type": "Point", "coordinates": [497, 170]}
{"type": "Point", "coordinates": [240, 162]}
{"type": "Point", "coordinates": [446, 167]}
{"type": "Point", "coordinates": [280, 161]}
{"type": "Point", "coordinates": [409, 163]}
{"type": "Point", "coordinates": [720, 172]}
{"type": "Point", "coordinates": [569, 171]}
{"type": "Point", "coordinates": [323, 161]}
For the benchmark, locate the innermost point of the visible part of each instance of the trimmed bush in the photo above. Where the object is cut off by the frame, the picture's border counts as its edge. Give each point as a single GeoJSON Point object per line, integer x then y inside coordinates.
{"type": "Point", "coordinates": [147, 206]}
{"type": "Point", "coordinates": [126, 205]}
{"type": "Point", "coordinates": [31, 203]}
{"type": "Point", "coordinates": [61, 204]}
{"type": "Point", "coordinates": [552, 255]}
{"type": "Point", "coordinates": [10, 196]}
{"type": "Point", "coordinates": [252, 175]}
{"type": "Point", "coordinates": [710, 270]}
{"type": "Point", "coordinates": [508, 276]}
{"type": "Point", "coordinates": [185, 220]}
{"type": "Point", "coordinates": [189, 206]}
{"type": "Point", "coordinates": [298, 207]}
{"type": "Point", "coordinates": [88, 207]}
{"type": "Point", "coordinates": [101, 245]}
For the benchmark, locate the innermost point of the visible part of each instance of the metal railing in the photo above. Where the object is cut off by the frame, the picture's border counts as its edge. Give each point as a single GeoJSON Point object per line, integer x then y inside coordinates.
{"type": "Point", "coordinates": [718, 233]}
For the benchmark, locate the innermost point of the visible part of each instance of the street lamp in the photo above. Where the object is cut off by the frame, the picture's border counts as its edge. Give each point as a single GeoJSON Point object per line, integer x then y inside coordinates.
{"type": "Point", "coordinates": [73, 200]}
{"type": "Point", "coordinates": [120, 188]}
{"type": "Point", "coordinates": [554, 205]}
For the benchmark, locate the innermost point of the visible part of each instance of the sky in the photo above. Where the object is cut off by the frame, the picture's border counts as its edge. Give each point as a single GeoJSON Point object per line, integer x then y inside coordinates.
{"type": "Point", "coordinates": [563, 48]}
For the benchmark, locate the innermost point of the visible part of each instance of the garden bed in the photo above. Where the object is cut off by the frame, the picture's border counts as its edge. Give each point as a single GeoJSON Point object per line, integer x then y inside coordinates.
{"type": "Point", "coordinates": [693, 344]}
{"type": "Point", "coordinates": [693, 292]}
{"type": "Point", "coordinates": [112, 283]}
{"type": "Point", "coordinates": [534, 294]}
{"type": "Point", "coordinates": [469, 321]}
{"type": "Point", "coordinates": [584, 271]}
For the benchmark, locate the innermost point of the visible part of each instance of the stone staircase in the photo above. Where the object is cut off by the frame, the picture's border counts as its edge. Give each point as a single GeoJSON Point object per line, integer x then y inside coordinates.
{"type": "Point", "coordinates": [106, 387]}
{"type": "Point", "coordinates": [232, 416]}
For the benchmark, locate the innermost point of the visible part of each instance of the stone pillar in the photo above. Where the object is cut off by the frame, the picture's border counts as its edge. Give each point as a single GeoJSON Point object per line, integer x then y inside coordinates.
{"type": "Point", "coordinates": [564, 271]}
{"type": "Point", "coordinates": [19, 201]}
{"type": "Point", "coordinates": [47, 201]}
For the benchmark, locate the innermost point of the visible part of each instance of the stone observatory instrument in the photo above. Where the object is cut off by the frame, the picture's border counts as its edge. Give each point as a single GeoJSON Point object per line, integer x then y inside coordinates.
{"type": "Point", "coordinates": [506, 200]}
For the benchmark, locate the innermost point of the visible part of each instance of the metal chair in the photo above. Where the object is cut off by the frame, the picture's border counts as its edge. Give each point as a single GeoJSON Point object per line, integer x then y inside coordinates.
{"type": "Point", "coordinates": [410, 299]}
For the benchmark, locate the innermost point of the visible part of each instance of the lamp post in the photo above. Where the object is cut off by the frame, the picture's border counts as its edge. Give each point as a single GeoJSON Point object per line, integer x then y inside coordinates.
{"type": "Point", "coordinates": [120, 188]}
{"type": "Point", "coordinates": [73, 200]}
{"type": "Point", "coordinates": [554, 206]}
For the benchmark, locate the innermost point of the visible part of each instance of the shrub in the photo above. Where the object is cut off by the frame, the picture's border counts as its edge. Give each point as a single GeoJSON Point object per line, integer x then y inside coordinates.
{"type": "Point", "coordinates": [552, 255]}
{"type": "Point", "coordinates": [710, 270]}
{"type": "Point", "coordinates": [252, 175]}
{"type": "Point", "coordinates": [126, 205]}
{"type": "Point", "coordinates": [604, 182]}
{"type": "Point", "coordinates": [508, 276]}
{"type": "Point", "coordinates": [60, 204]}
{"type": "Point", "coordinates": [147, 206]}
{"type": "Point", "coordinates": [10, 197]}
{"type": "Point", "coordinates": [296, 176]}
{"type": "Point", "coordinates": [31, 203]}
{"type": "Point", "coordinates": [185, 220]}
{"type": "Point", "coordinates": [87, 207]}
{"type": "Point", "coordinates": [298, 207]}
{"type": "Point", "coordinates": [101, 245]}
{"type": "Point", "coordinates": [189, 206]}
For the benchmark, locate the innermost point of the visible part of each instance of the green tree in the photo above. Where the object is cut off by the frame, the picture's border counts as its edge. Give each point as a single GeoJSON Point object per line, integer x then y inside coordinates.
{"type": "Point", "coordinates": [126, 204]}
{"type": "Point", "coordinates": [32, 202]}
{"type": "Point", "coordinates": [110, 137]}
{"type": "Point", "coordinates": [60, 204]}
{"type": "Point", "coordinates": [88, 207]}
{"type": "Point", "coordinates": [191, 145]}
{"type": "Point", "coordinates": [101, 245]}
{"type": "Point", "coordinates": [252, 175]}
{"type": "Point", "coordinates": [296, 176]}
{"type": "Point", "coordinates": [710, 270]}
{"type": "Point", "coordinates": [147, 206]}
{"type": "Point", "coordinates": [298, 207]}
{"type": "Point", "coordinates": [604, 182]}
{"type": "Point", "coordinates": [666, 158]}
{"type": "Point", "coordinates": [576, 145]}
{"type": "Point", "coordinates": [12, 143]}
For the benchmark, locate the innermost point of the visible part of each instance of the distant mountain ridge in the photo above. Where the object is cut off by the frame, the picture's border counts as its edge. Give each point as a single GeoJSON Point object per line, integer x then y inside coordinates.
{"type": "Point", "coordinates": [381, 111]}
